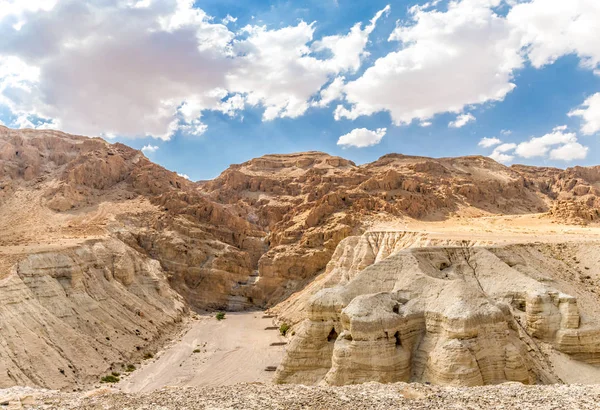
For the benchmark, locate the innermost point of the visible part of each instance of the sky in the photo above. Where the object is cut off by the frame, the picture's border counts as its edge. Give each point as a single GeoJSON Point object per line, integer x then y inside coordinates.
{"type": "Point", "coordinates": [200, 85]}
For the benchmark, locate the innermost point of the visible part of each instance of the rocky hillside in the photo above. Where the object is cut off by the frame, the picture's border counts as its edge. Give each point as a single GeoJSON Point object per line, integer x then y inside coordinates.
{"type": "Point", "coordinates": [308, 202]}
{"type": "Point", "coordinates": [104, 251]}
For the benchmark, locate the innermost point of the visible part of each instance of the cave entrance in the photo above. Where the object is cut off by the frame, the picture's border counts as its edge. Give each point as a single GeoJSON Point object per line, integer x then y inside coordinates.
{"type": "Point", "coordinates": [398, 341]}
{"type": "Point", "coordinates": [332, 336]}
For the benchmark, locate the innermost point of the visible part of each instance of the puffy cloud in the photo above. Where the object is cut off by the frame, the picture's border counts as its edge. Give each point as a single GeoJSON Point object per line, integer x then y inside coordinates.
{"type": "Point", "coordinates": [539, 146]}
{"type": "Point", "coordinates": [557, 145]}
{"type": "Point", "coordinates": [348, 50]}
{"type": "Point", "coordinates": [137, 67]}
{"type": "Point", "coordinates": [447, 60]}
{"type": "Point", "coordinates": [229, 19]}
{"type": "Point", "coordinates": [148, 149]}
{"type": "Point", "coordinates": [550, 29]}
{"type": "Point", "coordinates": [462, 120]}
{"type": "Point", "coordinates": [362, 137]}
{"type": "Point", "coordinates": [186, 176]}
{"type": "Point", "coordinates": [500, 153]}
{"type": "Point", "coordinates": [590, 114]}
{"type": "Point", "coordinates": [569, 152]}
{"type": "Point", "coordinates": [487, 142]}
{"type": "Point", "coordinates": [434, 70]}
{"type": "Point", "coordinates": [331, 93]}
{"type": "Point", "coordinates": [94, 83]}
{"type": "Point", "coordinates": [277, 68]}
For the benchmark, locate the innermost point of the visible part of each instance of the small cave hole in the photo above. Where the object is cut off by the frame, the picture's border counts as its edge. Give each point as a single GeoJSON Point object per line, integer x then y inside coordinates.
{"type": "Point", "coordinates": [332, 336]}
{"type": "Point", "coordinates": [520, 305]}
{"type": "Point", "coordinates": [444, 265]}
{"type": "Point", "coordinates": [396, 309]}
{"type": "Point", "coordinates": [397, 337]}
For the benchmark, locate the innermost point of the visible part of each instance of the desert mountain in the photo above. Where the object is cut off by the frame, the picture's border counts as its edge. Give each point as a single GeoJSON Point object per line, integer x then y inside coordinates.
{"type": "Point", "coordinates": [104, 252]}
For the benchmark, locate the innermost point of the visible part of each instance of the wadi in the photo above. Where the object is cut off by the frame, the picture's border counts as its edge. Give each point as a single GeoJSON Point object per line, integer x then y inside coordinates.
{"type": "Point", "coordinates": [408, 281]}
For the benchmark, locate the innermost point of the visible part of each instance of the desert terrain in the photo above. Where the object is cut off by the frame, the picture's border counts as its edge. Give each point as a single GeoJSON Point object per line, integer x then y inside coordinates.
{"type": "Point", "coordinates": [410, 281]}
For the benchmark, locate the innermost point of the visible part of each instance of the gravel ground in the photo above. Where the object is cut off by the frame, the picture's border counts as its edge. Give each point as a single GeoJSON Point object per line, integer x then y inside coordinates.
{"type": "Point", "coordinates": [511, 396]}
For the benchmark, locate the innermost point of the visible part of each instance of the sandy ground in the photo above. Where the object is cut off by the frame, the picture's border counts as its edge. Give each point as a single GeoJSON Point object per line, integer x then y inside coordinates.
{"type": "Point", "coordinates": [498, 229]}
{"type": "Point", "coordinates": [234, 350]}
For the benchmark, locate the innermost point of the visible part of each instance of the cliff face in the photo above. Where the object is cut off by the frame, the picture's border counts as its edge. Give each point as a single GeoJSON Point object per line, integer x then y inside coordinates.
{"type": "Point", "coordinates": [457, 315]}
{"type": "Point", "coordinates": [95, 233]}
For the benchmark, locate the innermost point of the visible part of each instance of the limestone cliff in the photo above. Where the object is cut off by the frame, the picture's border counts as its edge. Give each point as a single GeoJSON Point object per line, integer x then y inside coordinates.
{"type": "Point", "coordinates": [462, 315]}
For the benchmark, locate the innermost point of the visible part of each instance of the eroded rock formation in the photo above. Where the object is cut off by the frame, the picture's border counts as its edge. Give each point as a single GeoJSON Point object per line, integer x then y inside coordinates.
{"type": "Point", "coordinates": [458, 315]}
{"type": "Point", "coordinates": [91, 227]}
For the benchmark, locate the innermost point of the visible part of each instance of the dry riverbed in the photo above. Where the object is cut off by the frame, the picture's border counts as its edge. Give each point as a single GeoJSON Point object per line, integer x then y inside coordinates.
{"type": "Point", "coordinates": [210, 353]}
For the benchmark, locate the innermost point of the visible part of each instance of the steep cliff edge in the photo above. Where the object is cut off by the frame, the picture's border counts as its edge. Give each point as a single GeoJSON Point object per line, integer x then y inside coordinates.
{"type": "Point", "coordinates": [460, 315]}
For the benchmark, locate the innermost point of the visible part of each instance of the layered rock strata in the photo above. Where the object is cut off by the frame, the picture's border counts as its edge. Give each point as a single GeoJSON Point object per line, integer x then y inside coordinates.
{"type": "Point", "coordinates": [453, 315]}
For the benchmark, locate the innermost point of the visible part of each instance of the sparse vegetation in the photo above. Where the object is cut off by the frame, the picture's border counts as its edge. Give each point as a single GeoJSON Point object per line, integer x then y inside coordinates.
{"type": "Point", "coordinates": [109, 379]}
{"type": "Point", "coordinates": [116, 374]}
{"type": "Point", "coordinates": [130, 368]}
{"type": "Point", "coordinates": [148, 356]}
{"type": "Point", "coordinates": [196, 350]}
{"type": "Point", "coordinates": [283, 329]}
{"type": "Point", "coordinates": [220, 315]}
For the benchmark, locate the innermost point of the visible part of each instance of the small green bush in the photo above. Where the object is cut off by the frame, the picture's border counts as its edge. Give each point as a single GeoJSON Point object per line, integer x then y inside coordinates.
{"type": "Point", "coordinates": [196, 350]}
{"type": "Point", "coordinates": [283, 329]}
{"type": "Point", "coordinates": [148, 356]}
{"type": "Point", "coordinates": [220, 315]}
{"type": "Point", "coordinates": [109, 379]}
{"type": "Point", "coordinates": [116, 374]}
{"type": "Point", "coordinates": [130, 368]}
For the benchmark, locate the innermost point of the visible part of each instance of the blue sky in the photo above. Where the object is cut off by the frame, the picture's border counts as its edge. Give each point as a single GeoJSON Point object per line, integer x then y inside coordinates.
{"type": "Point", "coordinates": [201, 91]}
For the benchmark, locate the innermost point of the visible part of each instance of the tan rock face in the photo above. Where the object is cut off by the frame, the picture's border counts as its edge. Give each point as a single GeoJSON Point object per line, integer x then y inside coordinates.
{"type": "Point", "coordinates": [258, 235]}
{"type": "Point", "coordinates": [452, 315]}
{"type": "Point", "coordinates": [69, 316]}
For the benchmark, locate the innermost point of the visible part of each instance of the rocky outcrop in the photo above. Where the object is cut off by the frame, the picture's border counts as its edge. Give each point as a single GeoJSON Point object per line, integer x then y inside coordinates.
{"type": "Point", "coordinates": [451, 315]}
{"type": "Point", "coordinates": [69, 316]}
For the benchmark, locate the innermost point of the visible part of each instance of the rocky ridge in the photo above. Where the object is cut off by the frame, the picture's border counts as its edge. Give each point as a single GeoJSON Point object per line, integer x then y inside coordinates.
{"type": "Point", "coordinates": [86, 222]}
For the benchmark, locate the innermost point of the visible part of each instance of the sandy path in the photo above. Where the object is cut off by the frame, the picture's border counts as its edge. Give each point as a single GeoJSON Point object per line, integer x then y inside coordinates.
{"type": "Point", "coordinates": [233, 350]}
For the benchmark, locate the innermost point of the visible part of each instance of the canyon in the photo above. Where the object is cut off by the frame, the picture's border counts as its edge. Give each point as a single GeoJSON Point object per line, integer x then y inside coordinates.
{"type": "Point", "coordinates": [450, 271]}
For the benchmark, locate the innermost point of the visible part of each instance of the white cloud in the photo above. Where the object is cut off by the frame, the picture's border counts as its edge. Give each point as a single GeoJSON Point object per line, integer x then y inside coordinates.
{"type": "Point", "coordinates": [229, 19]}
{"type": "Point", "coordinates": [487, 142]}
{"type": "Point", "coordinates": [177, 63]}
{"type": "Point", "coordinates": [447, 60]}
{"type": "Point", "coordinates": [349, 50]}
{"type": "Point", "coordinates": [362, 137]}
{"type": "Point", "coordinates": [500, 153]}
{"type": "Point", "coordinates": [566, 146]}
{"type": "Point", "coordinates": [332, 92]}
{"type": "Point", "coordinates": [148, 149]}
{"type": "Point", "coordinates": [94, 83]}
{"type": "Point", "coordinates": [557, 145]}
{"type": "Point", "coordinates": [467, 54]}
{"type": "Point", "coordinates": [590, 114]}
{"type": "Point", "coordinates": [501, 157]}
{"type": "Point", "coordinates": [506, 132]}
{"type": "Point", "coordinates": [569, 152]}
{"type": "Point", "coordinates": [539, 146]}
{"type": "Point", "coordinates": [462, 120]}
{"type": "Point", "coordinates": [184, 176]}
{"type": "Point", "coordinates": [425, 124]}
{"type": "Point", "coordinates": [276, 68]}
{"type": "Point", "coordinates": [552, 28]}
